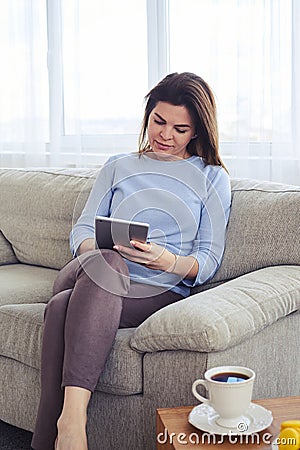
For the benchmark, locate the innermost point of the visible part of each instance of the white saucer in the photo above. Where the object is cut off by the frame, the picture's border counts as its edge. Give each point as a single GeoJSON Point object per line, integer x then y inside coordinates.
{"type": "Point", "coordinates": [255, 419]}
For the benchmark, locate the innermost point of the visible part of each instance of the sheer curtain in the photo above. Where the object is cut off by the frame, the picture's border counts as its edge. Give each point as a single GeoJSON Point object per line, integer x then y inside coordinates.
{"type": "Point", "coordinates": [104, 79]}
{"type": "Point", "coordinates": [24, 116]}
{"type": "Point", "coordinates": [295, 106]}
{"type": "Point", "coordinates": [74, 73]}
{"type": "Point", "coordinates": [248, 52]}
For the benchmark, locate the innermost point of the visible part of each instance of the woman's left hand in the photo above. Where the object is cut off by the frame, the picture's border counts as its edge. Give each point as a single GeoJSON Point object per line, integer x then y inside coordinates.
{"type": "Point", "coordinates": [150, 255]}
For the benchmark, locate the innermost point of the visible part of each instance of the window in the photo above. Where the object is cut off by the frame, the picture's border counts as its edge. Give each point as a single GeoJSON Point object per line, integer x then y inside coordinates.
{"type": "Point", "coordinates": [232, 45]}
{"type": "Point", "coordinates": [75, 73]}
{"type": "Point", "coordinates": [23, 76]}
{"type": "Point", "coordinates": [244, 49]}
{"type": "Point", "coordinates": [104, 65]}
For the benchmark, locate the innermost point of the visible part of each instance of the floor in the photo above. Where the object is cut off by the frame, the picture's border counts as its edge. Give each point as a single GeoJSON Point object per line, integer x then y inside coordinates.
{"type": "Point", "coordinates": [12, 438]}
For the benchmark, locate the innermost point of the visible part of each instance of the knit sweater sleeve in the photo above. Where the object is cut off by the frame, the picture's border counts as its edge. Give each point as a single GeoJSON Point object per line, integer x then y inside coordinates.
{"type": "Point", "coordinates": [98, 203]}
{"type": "Point", "coordinates": [208, 247]}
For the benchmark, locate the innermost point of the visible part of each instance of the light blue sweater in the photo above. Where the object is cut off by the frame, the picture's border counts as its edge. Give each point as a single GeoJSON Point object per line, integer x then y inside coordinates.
{"type": "Point", "coordinates": [186, 203]}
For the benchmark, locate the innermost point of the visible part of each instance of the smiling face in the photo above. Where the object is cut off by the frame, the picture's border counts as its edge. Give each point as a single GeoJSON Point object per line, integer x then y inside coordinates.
{"type": "Point", "coordinates": [170, 129]}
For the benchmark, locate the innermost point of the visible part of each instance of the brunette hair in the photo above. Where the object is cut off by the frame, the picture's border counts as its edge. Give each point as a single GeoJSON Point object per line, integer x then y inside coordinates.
{"type": "Point", "coordinates": [191, 91]}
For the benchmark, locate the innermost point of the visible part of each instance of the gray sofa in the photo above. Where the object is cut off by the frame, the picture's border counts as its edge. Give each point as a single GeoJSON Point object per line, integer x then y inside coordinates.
{"type": "Point", "coordinates": [248, 314]}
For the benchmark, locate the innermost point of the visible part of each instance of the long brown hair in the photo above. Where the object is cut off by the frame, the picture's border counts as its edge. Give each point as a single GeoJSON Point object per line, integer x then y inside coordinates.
{"type": "Point", "coordinates": [191, 91]}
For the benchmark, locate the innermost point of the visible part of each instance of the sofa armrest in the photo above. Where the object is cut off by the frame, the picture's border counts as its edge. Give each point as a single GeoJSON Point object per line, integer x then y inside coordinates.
{"type": "Point", "coordinates": [7, 255]}
{"type": "Point", "coordinates": [224, 316]}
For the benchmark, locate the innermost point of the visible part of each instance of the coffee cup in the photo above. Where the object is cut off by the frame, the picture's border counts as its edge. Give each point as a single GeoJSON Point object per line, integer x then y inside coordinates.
{"type": "Point", "coordinates": [229, 392]}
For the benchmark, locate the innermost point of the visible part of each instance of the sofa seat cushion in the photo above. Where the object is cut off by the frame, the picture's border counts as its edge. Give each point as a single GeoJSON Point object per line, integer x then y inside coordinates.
{"type": "Point", "coordinates": [21, 338]}
{"type": "Point", "coordinates": [22, 283]}
{"type": "Point", "coordinates": [222, 317]}
{"type": "Point", "coordinates": [7, 255]}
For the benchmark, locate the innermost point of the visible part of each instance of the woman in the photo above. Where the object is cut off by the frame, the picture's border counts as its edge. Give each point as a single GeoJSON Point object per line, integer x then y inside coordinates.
{"type": "Point", "coordinates": [176, 183]}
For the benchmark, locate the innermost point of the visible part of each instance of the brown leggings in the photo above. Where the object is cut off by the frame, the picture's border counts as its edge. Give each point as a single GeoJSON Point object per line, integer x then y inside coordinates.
{"type": "Point", "coordinates": [92, 298]}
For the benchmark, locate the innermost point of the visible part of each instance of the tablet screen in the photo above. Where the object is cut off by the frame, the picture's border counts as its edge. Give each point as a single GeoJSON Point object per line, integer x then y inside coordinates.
{"type": "Point", "coordinates": [112, 231]}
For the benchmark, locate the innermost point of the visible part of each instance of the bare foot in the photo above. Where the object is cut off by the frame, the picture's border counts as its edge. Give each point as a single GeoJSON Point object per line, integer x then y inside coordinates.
{"type": "Point", "coordinates": [71, 425]}
{"type": "Point", "coordinates": [71, 435]}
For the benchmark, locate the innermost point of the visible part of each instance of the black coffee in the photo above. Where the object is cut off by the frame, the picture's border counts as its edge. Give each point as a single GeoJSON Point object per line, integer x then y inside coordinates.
{"type": "Point", "coordinates": [230, 377]}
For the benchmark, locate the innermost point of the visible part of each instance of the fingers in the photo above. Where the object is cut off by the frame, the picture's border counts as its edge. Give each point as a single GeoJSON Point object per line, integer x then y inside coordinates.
{"type": "Point", "coordinates": [131, 253]}
{"type": "Point", "coordinates": [140, 252]}
{"type": "Point", "coordinates": [151, 255]}
{"type": "Point", "coordinates": [144, 247]}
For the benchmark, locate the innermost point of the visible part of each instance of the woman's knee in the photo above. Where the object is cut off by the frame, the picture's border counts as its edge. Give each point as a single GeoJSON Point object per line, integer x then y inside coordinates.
{"type": "Point", "coordinates": [69, 274]}
{"type": "Point", "coordinates": [58, 304]}
{"type": "Point", "coordinates": [103, 257]}
{"type": "Point", "coordinates": [107, 269]}
{"type": "Point", "coordinates": [66, 277]}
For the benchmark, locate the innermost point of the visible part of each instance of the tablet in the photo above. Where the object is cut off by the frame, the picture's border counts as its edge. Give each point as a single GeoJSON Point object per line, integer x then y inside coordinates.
{"type": "Point", "coordinates": [112, 231]}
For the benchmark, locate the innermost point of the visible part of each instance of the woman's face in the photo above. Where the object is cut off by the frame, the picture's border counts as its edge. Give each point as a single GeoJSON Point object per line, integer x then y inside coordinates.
{"type": "Point", "coordinates": [170, 129]}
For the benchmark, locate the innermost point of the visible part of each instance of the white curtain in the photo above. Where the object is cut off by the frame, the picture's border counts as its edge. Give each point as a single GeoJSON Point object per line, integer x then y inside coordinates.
{"type": "Point", "coordinates": [295, 104]}
{"type": "Point", "coordinates": [72, 96]}
{"type": "Point", "coordinates": [24, 117]}
{"type": "Point", "coordinates": [266, 144]}
{"type": "Point", "coordinates": [248, 51]}
{"type": "Point", "coordinates": [104, 79]}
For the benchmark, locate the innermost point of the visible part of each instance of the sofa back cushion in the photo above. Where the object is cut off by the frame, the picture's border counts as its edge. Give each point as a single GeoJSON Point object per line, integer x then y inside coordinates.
{"type": "Point", "coordinates": [263, 229]}
{"type": "Point", "coordinates": [38, 209]}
